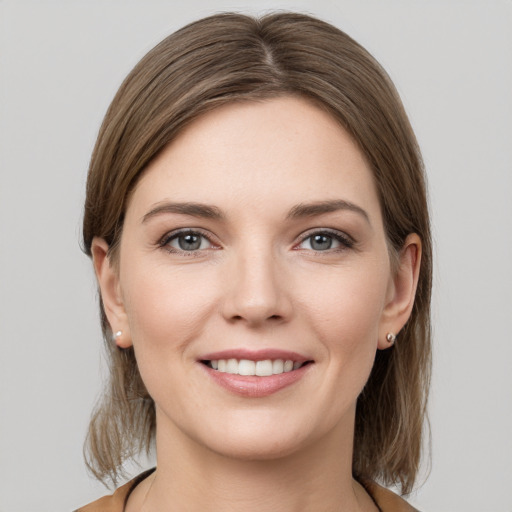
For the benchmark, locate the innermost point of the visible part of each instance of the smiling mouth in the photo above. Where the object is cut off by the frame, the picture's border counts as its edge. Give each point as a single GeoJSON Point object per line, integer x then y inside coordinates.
{"type": "Point", "coordinates": [263, 368]}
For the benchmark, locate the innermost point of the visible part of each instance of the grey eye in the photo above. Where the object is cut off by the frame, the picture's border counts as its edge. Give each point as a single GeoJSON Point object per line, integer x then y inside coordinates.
{"type": "Point", "coordinates": [189, 242]}
{"type": "Point", "coordinates": [325, 241]}
{"type": "Point", "coordinates": [321, 242]}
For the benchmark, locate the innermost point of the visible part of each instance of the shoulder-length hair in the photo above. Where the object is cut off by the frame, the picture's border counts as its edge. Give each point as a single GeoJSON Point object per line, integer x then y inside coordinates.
{"type": "Point", "coordinates": [233, 57]}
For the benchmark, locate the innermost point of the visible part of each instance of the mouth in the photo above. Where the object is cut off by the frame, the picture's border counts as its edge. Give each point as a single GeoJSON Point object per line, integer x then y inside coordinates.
{"type": "Point", "coordinates": [259, 368]}
{"type": "Point", "coordinates": [255, 373]}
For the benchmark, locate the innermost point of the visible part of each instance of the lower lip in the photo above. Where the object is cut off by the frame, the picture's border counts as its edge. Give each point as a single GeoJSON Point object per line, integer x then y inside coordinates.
{"type": "Point", "coordinates": [253, 386]}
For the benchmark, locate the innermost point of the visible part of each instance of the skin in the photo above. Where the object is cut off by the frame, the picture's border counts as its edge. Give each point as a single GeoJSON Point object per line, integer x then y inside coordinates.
{"type": "Point", "coordinates": [258, 282]}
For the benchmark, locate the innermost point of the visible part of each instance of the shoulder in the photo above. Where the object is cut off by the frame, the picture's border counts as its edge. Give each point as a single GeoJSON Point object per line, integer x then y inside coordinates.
{"type": "Point", "coordinates": [112, 503]}
{"type": "Point", "coordinates": [386, 500]}
{"type": "Point", "coordinates": [115, 502]}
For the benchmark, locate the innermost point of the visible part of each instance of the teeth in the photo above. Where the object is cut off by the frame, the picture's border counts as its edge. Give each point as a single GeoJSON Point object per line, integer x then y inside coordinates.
{"type": "Point", "coordinates": [277, 366]}
{"type": "Point", "coordinates": [232, 366]}
{"type": "Point", "coordinates": [260, 368]}
{"type": "Point", "coordinates": [264, 368]}
{"type": "Point", "coordinates": [246, 367]}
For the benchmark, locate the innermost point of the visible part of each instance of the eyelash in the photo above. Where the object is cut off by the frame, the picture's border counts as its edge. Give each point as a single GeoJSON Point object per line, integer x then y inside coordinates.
{"type": "Point", "coordinates": [345, 241]}
{"type": "Point", "coordinates": [174, 235]}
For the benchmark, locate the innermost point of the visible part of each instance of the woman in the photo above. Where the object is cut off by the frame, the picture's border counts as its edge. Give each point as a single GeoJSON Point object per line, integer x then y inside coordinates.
{"type": "Point", "coordinates": [256, 214]}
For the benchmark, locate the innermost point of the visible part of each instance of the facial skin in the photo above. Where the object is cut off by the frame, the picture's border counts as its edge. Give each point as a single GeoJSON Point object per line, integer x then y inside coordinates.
{"type": "Point", "coordinates": [258, 280]}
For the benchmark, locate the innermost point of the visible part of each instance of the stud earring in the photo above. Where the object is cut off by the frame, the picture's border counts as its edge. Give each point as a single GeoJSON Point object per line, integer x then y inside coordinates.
{"type": "Point", "coordinates": [391, 338]}
{"type": "Point", "coordinates": [117, 334]}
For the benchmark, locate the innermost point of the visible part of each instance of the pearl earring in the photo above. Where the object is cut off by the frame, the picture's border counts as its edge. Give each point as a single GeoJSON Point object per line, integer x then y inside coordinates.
{"type": "Point", "coordinates": [117, 334]}
{"type": "Point", "coordinates": [391, 338]}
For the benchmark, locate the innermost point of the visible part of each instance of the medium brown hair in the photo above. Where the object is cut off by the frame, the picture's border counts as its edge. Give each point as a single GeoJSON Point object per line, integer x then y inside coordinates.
{"type": "Point", "coordinates": [232, 57]}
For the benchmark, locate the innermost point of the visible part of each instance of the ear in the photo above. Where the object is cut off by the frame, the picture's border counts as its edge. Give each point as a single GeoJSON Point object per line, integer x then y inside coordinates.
{"type": "Point", "coordinates": [401, 291]}
{"type": "Point", "coordinates": [108, 280]}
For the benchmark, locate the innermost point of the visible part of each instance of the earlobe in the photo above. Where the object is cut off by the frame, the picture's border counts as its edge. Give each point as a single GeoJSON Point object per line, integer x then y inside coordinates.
{"type": "Point", "coordinates": [108, 281]}
{"type": "Point", "coordinates": [402, 292]}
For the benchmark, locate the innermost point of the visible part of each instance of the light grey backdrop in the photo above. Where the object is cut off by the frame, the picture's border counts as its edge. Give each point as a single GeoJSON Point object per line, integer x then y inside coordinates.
{"type": "Point", "coordinates": [60, 64]}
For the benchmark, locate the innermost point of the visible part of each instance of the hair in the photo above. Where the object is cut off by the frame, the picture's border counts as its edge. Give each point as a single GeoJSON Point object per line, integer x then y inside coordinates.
{"type": "Point", "coordinates": [232, 57]}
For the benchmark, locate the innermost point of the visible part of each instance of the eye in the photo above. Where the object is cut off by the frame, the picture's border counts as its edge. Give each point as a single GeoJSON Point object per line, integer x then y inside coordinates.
{"type": "Point", "coordinates": [326, 240]}
{"type": "Point", "coordinates": [186, 241]}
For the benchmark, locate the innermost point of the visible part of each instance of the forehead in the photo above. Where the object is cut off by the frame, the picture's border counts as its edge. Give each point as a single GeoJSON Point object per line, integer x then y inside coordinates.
{"type": "Point", "coordinates": [280, 151]}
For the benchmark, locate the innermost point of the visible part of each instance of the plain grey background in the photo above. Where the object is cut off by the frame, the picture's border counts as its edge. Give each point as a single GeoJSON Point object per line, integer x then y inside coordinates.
{"type": "Point", "coordinates": [61, 63]}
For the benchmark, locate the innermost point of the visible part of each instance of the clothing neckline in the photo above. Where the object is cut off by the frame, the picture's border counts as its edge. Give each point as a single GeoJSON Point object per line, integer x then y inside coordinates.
{"type": "Point", "coordinates": [136, 481]}
{"type": "Point", "coordinates": [381, 496]}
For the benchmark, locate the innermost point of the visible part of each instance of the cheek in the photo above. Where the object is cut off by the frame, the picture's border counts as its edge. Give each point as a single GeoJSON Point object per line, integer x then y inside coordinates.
{"type": "Point", "coordinates": [167, 308]}
{"type": "Point", "coordinates": [345, 312]}
{"type": "Point", "coordinates": [167, 311]}
{"type": "Point", "coordinates": [348, 304]}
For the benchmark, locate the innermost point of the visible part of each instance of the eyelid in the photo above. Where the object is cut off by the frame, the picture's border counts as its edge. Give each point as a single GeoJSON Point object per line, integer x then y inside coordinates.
{"type": "Point", "coordinates": [346, 240]}
{"type": "Point", "coordinates": [172, 235]}
{"type": "Point", "coordinates": [340, 236]}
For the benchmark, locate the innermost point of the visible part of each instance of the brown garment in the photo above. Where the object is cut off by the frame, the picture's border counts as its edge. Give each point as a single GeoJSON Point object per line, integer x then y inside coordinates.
{"type": "Point", "coordinates": [386, 500]}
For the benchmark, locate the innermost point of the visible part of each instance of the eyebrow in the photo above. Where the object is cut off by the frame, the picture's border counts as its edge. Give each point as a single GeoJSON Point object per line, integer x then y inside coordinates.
{"type": "Point", "coordinates": [193, 209]}
{"type": "Point", "coordinates": [299, 211]}
{"type": "Point", "coordinates": [320, 207]}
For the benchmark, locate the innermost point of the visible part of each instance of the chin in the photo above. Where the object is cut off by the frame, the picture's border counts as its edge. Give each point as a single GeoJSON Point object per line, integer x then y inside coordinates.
{"type": "Point", "coordinates": [256, 448]}
{"type": "Point", "coordinates": [260, 439]}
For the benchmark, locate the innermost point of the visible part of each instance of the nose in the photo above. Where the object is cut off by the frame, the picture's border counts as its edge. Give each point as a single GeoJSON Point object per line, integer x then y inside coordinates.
{"type": "Point", "coordinates": [256, 291]}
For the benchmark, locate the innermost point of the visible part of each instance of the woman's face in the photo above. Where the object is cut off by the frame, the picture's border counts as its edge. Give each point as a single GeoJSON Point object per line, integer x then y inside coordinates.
{"type": "Point", "coordinates": [256, 236]}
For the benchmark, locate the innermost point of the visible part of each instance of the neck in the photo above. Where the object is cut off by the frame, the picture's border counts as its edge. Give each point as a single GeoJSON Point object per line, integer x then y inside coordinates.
{"type": "Point", "coordinates": [191, 477]}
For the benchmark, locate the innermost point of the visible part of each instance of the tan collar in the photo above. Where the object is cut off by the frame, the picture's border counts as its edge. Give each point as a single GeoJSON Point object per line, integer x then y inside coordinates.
{"type": "Point", "coordinates": [117, 501]}
{"type": "Point", "coordinates": [386, 500]}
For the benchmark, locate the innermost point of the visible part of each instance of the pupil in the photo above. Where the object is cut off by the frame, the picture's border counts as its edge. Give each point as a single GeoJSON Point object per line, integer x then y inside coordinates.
{"type": "Point", "coordinates": [321, 242]}
{"type": "Point", "coordinates": [189, 242]}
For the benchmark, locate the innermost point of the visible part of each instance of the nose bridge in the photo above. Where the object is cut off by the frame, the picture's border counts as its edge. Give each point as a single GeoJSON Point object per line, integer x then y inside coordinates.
{"type": "Point", "coordinates": [257, 291]}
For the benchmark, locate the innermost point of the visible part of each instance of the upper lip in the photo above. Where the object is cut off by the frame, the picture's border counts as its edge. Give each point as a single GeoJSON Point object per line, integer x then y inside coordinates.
{"type": "Point", "coordinates": [256, 355]}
